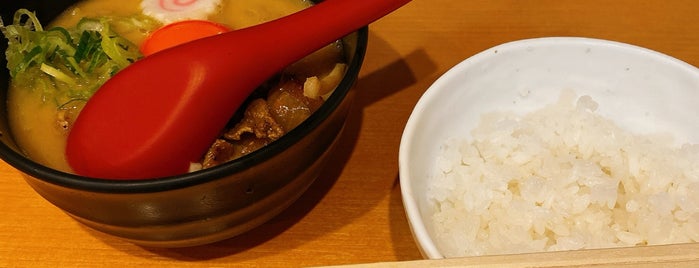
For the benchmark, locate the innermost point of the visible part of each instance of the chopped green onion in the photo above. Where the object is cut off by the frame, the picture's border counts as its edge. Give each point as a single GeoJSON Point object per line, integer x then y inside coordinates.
{"type": "Point", "coordinates": [57, 74]}
{"type": "Point", "coordinates": [33, 21]}
{"type": "Point", "coordinates": [76, 60]}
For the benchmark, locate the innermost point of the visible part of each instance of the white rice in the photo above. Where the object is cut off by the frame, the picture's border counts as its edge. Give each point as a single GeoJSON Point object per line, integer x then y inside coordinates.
{"type": "Point", "coordinates": [562, 178]}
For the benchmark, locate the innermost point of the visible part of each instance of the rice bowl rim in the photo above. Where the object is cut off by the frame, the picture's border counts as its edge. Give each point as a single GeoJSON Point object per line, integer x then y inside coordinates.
{"type": "Point", "coordinates": [417, 225]}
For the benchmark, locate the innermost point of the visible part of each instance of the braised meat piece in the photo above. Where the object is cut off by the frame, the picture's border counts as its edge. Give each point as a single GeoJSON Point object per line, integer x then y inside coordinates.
{"type": "Point", "coordinates": [263, 122]}
{"type": "Point", "coordinates": [281, 105]}
{"type": "Point", "coordinates": [257, 121]}
{"type": "Point", "coordinates": [289, 105]}
{"type": "Point", "coordinates": [223, 151]}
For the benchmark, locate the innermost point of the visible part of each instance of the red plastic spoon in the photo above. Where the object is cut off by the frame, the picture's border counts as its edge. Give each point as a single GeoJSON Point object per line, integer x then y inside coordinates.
{"type": "Point", "coordinates": [158, 115]}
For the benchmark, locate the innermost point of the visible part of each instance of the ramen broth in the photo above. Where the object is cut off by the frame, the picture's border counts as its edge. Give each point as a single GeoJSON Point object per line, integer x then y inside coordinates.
{"type": "Point", "coordinates": [37, 122]}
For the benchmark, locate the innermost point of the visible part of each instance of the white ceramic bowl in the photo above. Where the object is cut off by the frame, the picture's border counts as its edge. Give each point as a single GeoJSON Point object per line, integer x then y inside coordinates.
{"type": "Point", "coordinates": [641, 90]}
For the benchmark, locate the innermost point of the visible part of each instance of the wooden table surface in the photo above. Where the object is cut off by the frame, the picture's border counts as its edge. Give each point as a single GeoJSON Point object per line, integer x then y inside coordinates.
{"type": "Point", "coordinates": [353, 213]}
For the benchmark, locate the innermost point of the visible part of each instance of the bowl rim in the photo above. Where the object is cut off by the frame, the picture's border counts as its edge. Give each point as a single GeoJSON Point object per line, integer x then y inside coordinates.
{"type": "Point", "coordinates": [64, 179]}
{"type": "Point", "coordinates": [426, 244]}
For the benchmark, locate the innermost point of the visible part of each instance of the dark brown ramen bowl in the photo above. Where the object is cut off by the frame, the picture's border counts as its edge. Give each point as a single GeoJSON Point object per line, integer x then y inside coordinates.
{"type": "Point", "coordinates": [199, 207]}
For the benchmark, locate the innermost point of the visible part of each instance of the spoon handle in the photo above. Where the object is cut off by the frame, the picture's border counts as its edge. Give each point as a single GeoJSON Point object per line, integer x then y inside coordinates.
{"type": "Point", "coordinates": [308, 30]}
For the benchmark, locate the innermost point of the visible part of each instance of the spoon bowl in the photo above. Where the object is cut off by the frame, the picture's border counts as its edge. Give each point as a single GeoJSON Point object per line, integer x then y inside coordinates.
{"type": "Point", "coordinates": [161, 113]}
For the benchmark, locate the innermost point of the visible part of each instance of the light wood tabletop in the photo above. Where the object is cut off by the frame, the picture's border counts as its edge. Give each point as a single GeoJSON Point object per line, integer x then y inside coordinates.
{"type": "Point", "coordinates": [353, 213]}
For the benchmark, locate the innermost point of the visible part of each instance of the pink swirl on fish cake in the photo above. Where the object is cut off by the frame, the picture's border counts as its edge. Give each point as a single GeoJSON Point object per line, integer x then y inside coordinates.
{"type": "Point", "coordinates": [176, 5]}
{"type": "Point", "coordinates": [169, 11]}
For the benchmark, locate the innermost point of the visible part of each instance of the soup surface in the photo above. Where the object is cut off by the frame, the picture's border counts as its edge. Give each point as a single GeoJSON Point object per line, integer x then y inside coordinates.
{"type": "Point", "coordinates": [41, 121]}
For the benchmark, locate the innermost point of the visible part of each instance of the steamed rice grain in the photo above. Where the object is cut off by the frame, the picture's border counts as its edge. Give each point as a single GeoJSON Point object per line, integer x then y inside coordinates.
{"type": "Point", "coordinates": [562, 178]}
